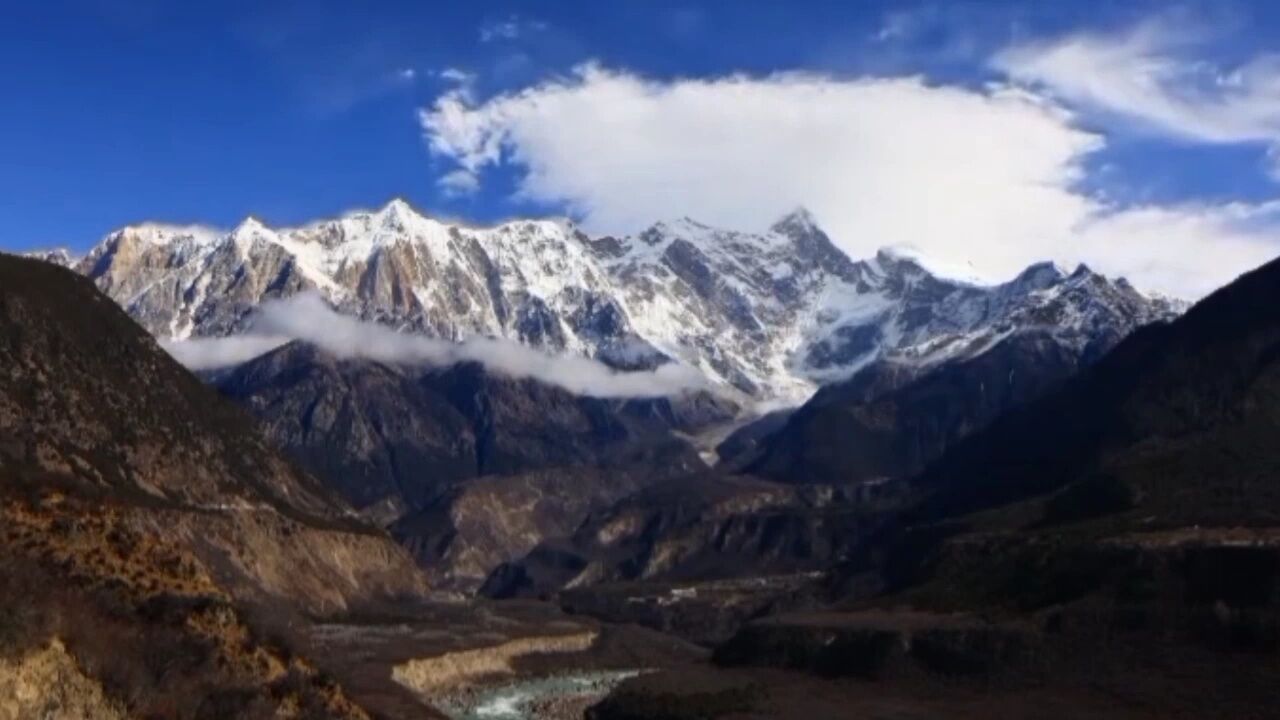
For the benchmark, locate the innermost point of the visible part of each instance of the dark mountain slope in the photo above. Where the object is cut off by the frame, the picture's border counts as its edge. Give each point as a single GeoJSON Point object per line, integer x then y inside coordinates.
{"type": "Point", "coordinates": [699, 527]}
{"type": "Point", "coordinates": [469, 468]}
{"type": "Point", "coordinates": [1179, 418]}
{"type": "Point", "coordinates": [896, 414]}
{"type": "Point", "coordinates": [143, 523]}
{"type": "Point", "coordinates": [88, 394]}
{"type": "Point", "coordinates": [373, 432]}
{"type": "Point", "coordinates": [473, 527]}
{"type": "Point", "coordinates": [402, 435]}
{"type": "Point", "coordinates": [1120, 535]}
{"type": "Point", "coordinates": [697, 555]}
{"type": "Point", "coordinates": [889, 420]}
{"type": "Point", "coordinates": [521, 424]}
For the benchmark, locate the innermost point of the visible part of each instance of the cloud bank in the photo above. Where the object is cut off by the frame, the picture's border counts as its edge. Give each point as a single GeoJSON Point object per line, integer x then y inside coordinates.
{"type": "Point", "coordinates": [308, 318]}
{"type": "Point", "coordinates": [985, 178]}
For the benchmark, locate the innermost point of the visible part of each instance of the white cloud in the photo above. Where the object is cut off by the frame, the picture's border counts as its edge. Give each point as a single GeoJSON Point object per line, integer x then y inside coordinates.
{"type": "Point", "coordinates": [509, 28]}
{"type": "Point", "coordinates": [407, 74]}
{"type": "Point", "coordinates": [458, 182]}
{"type": "Point", "coordinates": [902, 24]}
{"type": "Point", "coordinates": [1187, 250]}
{"type": "Point", "coordinates": [979, 178]}
{"type": "Point", "coordinates": [308, 318]}
{"type": "Point", "coordinates": [1150, 74]}
{"type": "Point", "coordinates": [456, 75]}
{"type": "Point", "coordinates": [214, 353]}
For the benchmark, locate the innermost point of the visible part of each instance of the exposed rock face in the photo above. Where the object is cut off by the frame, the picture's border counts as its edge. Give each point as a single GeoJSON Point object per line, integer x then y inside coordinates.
{"type": "Point", "coordinates": [142, 517]}
{"type": "Point", "coordinates": [462, 535]}
{"type": "Point", "coordinates": [396, 438]}
{"type": "Point", "coordinates": [769, 314]}
{"type": "Point", "coordinates": [699, 528]}
{"type": "Point", "coordinates": [373, 432]}
{"type": "Point", "coordinates": [48, 684]}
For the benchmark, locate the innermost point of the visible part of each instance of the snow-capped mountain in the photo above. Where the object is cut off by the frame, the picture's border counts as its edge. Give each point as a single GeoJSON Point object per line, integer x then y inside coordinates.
{"type": "Point", "coordinates": [771, 314]}
{"type": "Point", "coordinates": [57, 256]}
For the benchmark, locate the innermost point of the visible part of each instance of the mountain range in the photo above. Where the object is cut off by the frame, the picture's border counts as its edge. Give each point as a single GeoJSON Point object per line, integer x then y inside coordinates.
{"type": "Point", "coordinates": [1113, 541]}
{"type": "Point", "coordinates": [1043, 498]}
{"type": "Point", "coordinates": [766, 317]}
{"type": "Point", "coordinates": [770, 315]}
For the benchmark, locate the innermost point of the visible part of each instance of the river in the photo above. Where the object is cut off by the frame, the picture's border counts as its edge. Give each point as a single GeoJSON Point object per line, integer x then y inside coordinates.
{"type": "Point", "coordinates": [558, 697]}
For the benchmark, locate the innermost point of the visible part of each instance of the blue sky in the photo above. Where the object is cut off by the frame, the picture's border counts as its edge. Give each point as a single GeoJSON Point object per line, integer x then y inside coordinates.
{"type": "Point", "coordinates": [1155, 120]}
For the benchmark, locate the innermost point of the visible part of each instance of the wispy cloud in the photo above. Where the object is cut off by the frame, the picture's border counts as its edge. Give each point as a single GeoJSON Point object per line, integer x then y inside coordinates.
{"type": "Point", "coordinates": [509, 28]}
{"type": "Point", "coordinates": [459, 182]}
{"type": "Point", "coordinates": [456, 75]}
{"type": "Point", "coordinates": [308, 318]}
{"type": "Point", "coordinates": [1156, 75]}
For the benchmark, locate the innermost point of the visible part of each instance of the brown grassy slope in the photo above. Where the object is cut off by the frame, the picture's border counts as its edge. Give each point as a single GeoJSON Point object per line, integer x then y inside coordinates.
{"type": "Point", "coordinates": [141, 518]}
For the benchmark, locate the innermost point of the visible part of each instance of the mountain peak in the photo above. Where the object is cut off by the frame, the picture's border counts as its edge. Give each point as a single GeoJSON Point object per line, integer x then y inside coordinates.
{"type": "Point", "coordinates": [734, 304]}
{"type": "Point", "coordinates": [250, 224]}
{"type": "Point", "coordinates": [798, 220]}
{"type": "Point", "coordinates": [1041, 275]}
{"type": "Point", "coordinates": [155, 233]}
{"type": "Point", "coordinates": [397, 207]}
{"type": "Point", "coordinates": [57, 256]}
{"type": "Point", "coordinates": [906, 256]}
{"type": "Point", "coordinates": [894, 257]}
{"type": "Point", "coordinates": [396, 214]}
{"type": "Point", "coordinates": [1082, 271]}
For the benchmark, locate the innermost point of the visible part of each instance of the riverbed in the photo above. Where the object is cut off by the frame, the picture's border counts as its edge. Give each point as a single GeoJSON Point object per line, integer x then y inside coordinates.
{"type": "Point", "coordinates": [557, 697]}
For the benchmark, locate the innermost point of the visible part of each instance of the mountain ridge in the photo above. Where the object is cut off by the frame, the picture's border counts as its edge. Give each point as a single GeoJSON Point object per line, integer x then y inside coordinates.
{"type": "Point", "coordinates": [772, 315]}
{"type": "Point", "coordinates": [152, 540]}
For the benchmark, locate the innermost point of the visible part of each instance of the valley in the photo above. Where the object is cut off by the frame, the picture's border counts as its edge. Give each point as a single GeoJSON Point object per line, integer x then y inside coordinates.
{"type": "Point", "coordinates": [989, 484]}
{"type": "Point", "coordinates": [640, 360]}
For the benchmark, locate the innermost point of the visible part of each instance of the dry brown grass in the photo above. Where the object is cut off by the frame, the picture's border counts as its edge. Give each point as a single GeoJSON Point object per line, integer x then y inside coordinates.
{"type": "Point", "coordinates": [143, 619]}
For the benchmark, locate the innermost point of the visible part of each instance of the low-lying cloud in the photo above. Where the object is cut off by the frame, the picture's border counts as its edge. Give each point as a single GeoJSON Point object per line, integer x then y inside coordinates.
{"type": "Point", "coordinates": [307, 317]}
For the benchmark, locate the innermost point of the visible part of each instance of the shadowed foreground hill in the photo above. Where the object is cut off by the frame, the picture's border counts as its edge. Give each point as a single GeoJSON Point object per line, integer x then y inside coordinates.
{"type": "Point", "coordinates": [1179, 422]}
{"type": "Point", "coordinates": [1111, 549]}
{"type": "Point", "coordinates": [143, 521]}
{"type": "Point", "coordinates": [889, 420]}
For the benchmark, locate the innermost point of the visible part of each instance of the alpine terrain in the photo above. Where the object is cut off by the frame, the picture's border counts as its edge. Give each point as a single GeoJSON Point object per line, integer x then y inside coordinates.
{"type": "Point", "coordinates": [765, 317]}
{"type": "Point", "coordinates": [770, 315]}
{"type": "Point", "coordinates": [640, 361]}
